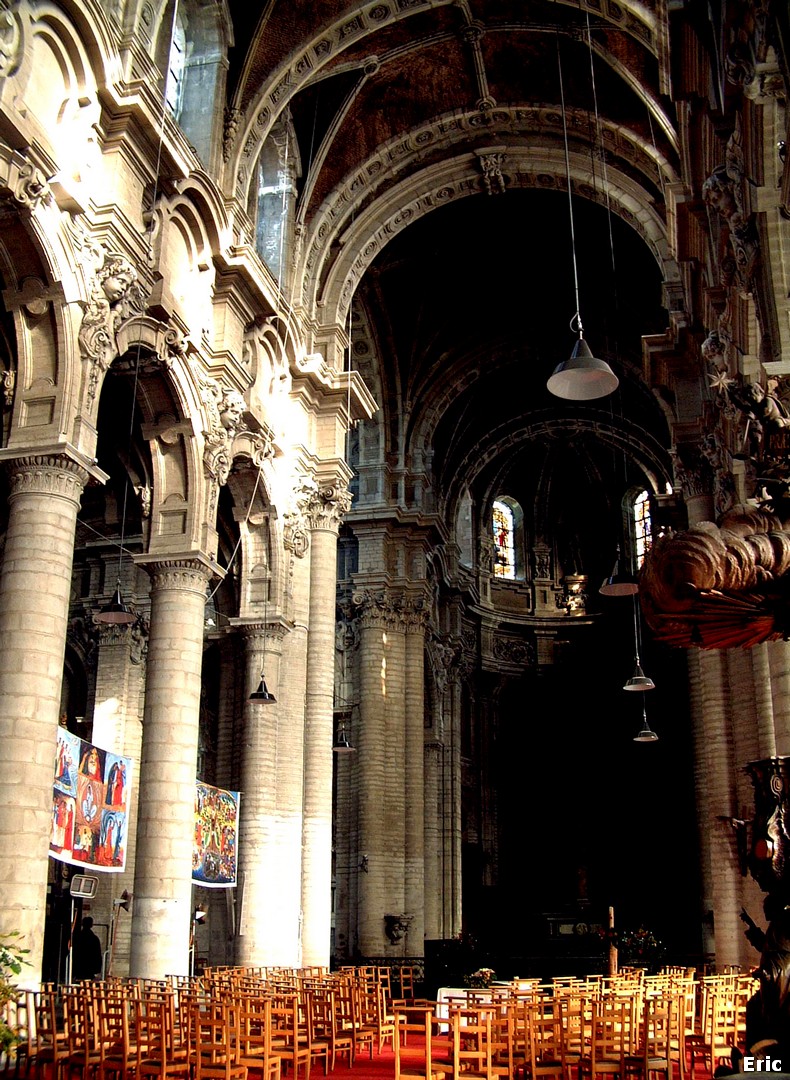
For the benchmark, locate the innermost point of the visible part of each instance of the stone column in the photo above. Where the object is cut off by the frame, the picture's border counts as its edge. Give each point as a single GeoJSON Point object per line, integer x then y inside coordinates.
{"type": "Point", "coordinates": [257, 925]}
{"type": "Point", "coordinates": [117, 726]}
{"type": "Point", "coordinates": [414, 771]}
{"type": "Point", "coordinates": [765, 733]}
{"type": "Point", "coordinates": [452, 808]}
{"type": "Point", "coordinates": [779, 663]}
{"type": "Point", "coordinates": [323, 516]}
{"type": "Point", "coordinates": [35, 585]}
{"type": "Point", "coordinates": [161, 913]}
{"type": "Point", "coordinates": [378, 622]}
{"type": "Point", "coordinates": [718, 750]}
{"type": "Point", "coordinates": [432, 841]}
{"type": "Point", "coordinates": [702, 801]}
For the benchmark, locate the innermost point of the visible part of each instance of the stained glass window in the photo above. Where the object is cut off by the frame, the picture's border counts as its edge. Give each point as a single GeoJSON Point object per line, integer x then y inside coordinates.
{"type": "Point", "coordinates": [643, 527]}
{"type": "Point", "coordinates": [504, 547]}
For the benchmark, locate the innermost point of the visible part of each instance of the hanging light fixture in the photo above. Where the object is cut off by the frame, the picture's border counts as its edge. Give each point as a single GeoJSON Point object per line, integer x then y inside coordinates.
{"type": "Point", "coordinates": [619, 582]}
{"type": "Point", "coordinates": [116, 613]}
{"type": "Point", "coordinates": [646, 733]}
{"type": "Point", "coordinates": [583, 377]}
{"type": "Point", "coordinates": [342, 743]}
{"type": "Point", "coordinates": [262, 695]}
{"type": "Point", "coordinates": [638, 681]}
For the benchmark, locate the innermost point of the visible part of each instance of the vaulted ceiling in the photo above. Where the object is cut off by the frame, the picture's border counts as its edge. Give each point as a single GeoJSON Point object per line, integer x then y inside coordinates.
{"type": "Point", "coordinates": [434, 152]}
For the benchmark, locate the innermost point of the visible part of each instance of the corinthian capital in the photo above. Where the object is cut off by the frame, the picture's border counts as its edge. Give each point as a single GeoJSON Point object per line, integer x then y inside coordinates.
{"type": "Point", "coordinates": [326, 506]}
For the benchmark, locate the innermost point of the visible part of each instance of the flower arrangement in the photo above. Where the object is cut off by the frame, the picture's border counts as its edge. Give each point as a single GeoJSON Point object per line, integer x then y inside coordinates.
{"type": "Point", "coordinates": [480, 979]}
{"type": "Point", "coordinates": [639, 946]}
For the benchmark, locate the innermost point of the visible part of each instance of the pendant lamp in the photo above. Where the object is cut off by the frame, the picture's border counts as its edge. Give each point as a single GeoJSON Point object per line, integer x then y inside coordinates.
{"type": "Point", "coordinates": [638, 681]}
{"type": "Point", "coordinates": [619, 582]}
{"type": "Point", "coordinates": [583, 377]}
{"type": "Point", "coordinates": [262, 695]}
{"type": "Point", "coordinates": [646, 734]}
{"type": "Point", "coordinates": [116, 613]}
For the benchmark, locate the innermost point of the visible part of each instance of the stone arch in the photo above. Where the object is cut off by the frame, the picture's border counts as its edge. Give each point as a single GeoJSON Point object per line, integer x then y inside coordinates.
{"type": "Point", "coordinates": [360, 239]}
{"type": "Point", "coordinates": [58, 106]}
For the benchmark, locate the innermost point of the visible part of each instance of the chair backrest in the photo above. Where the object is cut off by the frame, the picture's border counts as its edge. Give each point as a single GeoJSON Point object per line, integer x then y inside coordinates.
{"type": "Point", "coordinates": [612, 1027]}
{"type": "Point", "coordinates": [471, 1041]}
{"type": "Point", "coordinates": [415, 1067]}
{"type": "Point", "coordinates": [545, 1044]}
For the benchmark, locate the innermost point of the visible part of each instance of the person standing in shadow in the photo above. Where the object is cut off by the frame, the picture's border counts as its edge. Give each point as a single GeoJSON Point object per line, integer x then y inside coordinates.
{"type": "Point", "coordinates": [86, 961]}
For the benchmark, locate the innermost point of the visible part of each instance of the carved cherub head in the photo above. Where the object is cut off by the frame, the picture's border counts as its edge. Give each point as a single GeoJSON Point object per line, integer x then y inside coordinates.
{"type": "Point", "coordinates": [115, 278]}
{"type": "Point", "coordinates": [231, 410]}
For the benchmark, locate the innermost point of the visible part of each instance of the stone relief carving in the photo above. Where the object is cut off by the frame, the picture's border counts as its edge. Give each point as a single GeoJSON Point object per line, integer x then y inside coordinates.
{"type": "Point", "coordinates": [224, 410]}
{"type": "Point", "coordinates": [397, 926]}
{"type": "Point", "coordinates": [515, 651]}
{"type": "Point", "coordinates": [10, 40]}
{"type": "Point", "coordinates": [724, 193]}
{"type": "Point", "coordinates": [493, 180]}
{"type": "Point", "coordinates": [116, 295]}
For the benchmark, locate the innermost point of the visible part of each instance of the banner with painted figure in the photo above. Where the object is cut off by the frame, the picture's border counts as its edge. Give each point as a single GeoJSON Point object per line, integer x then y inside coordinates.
{"type": "Point", "coordinates": [89, 805]}
{"type": "Point", "coordinates": [216, 833]}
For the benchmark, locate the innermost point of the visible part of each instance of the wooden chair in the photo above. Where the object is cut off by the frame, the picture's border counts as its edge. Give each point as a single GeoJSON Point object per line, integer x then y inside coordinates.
{"type": "Point", "coordinates": [214, 1044]}
{"type": "Point", "coordinates": [717, 1033]}
{"type": "Point", "coordinates": [422, 1063]}
{"type": "Point", "coordinates": [610, 1037]}
{"type": "Point", "coordinates": [470, 1029]}
{"type": "Point", "coordinates": [290, 1035]}
{"type": "Point", "coordinates": [160, 1059]}
{"type": "Point", "coordinates": [545, 1046]}
{"type": "Point", "coordinates": [255, 1038]}
{"type": "Point", "coordinates": [654, 1052]}
{"type": "Point", "coordinates": [120, 1054]}
{"type": "Point", "coordinates": [84, 1055]}
{"type": "Point", "coordinates": [51, 1047]}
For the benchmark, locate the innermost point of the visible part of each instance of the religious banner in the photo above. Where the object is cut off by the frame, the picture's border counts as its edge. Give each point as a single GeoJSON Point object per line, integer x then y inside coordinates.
{"type": "Point", "coordinates": [89, 805]}
{"type": "Point", "coordinates": [216, 833]}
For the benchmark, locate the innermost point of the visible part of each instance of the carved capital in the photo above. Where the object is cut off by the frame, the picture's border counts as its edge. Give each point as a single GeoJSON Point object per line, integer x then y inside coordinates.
{"type": "Point", "coordinates": [378, 609]}
{"type": "Point", "coordinates": [182, 575]}
{"type": "Point", "coordinates": [327, 506]}
{"type": "Point", "coordinates": [49, 474]}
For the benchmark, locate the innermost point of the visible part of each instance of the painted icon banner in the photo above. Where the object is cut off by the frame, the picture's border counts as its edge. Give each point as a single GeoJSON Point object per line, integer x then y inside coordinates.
{"type": "Point", "coordinates": [215, 849]}
{"type": "Point", "coordinates": [90, 805]}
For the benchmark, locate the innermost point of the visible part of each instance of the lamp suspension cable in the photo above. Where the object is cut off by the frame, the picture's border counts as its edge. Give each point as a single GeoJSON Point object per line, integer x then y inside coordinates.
{"type": "Point", "coordinates": [646, 733]}
{"type": "Point", "coordinates": [638, 681]}
{"type": "Point", "coordinates": [583, 377]}
{"type": "Point", "coordinates": [117, 612]}
{"type": "Point", "coordinates": [262, 695]}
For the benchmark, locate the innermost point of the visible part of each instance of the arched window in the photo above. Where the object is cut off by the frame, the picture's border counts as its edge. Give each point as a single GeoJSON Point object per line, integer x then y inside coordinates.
{"type": "Point", "coordinates": [508, 527]}
{"type": "Point", "coordinates": [642, 527]}
{"type": "Point", "coordinates": [274, 194]}
{"type": "Point", "coordinates": [191, 52]}
{"type": "Point", "coordinates": [176, 68]}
